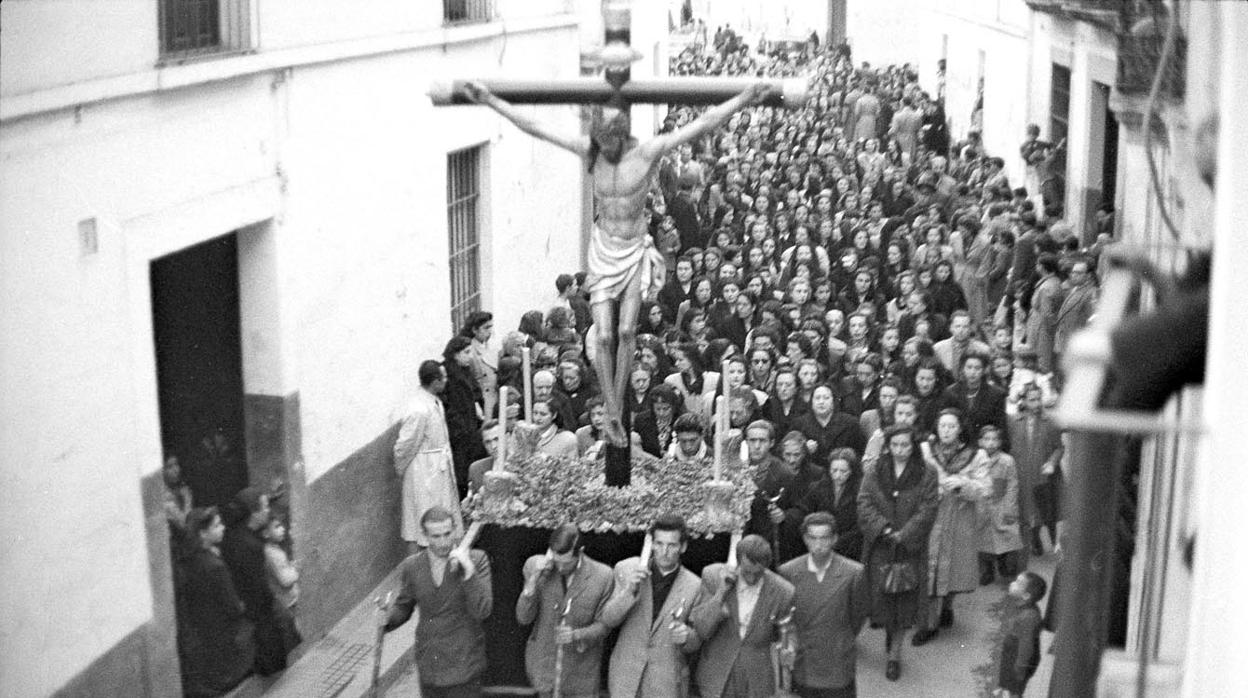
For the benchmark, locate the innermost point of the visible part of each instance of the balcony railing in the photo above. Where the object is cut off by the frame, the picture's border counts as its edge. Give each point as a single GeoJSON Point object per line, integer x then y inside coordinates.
{"type": "Point", "coordinates": [191, 28]}
{"type": "Point", "coordinates": [467, 11]}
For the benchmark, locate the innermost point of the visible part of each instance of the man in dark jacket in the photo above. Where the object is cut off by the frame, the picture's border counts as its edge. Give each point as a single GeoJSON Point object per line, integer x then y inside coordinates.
{"type": "Point", "coordinates": [452, 587]}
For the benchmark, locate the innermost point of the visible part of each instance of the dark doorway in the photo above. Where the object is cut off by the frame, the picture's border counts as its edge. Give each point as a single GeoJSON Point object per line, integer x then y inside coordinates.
{"type": "Point", "coordinates": [199, 366]}
{"type": "Point", "coordinates": [1109, 162]}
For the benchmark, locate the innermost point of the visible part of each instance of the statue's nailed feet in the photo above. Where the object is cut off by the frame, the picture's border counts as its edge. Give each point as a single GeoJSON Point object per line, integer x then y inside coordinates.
{"type": "Point", "coordinates": [615, 434]}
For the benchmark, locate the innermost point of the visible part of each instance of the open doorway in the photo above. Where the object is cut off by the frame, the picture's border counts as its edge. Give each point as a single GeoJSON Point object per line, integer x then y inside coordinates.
{"type": "Point", "coordinates": [195, 324]}
{"type": "Point", "coordinates": [1109, 165]}
{"type": "Point", "coordinates": [1102, 160]}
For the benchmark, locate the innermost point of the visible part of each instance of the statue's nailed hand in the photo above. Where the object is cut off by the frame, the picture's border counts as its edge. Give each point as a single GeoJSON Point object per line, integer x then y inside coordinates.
{"type": "Point", "coordinates": [759, 92]}
{"type": "Point", "coordinates": [476, 92]}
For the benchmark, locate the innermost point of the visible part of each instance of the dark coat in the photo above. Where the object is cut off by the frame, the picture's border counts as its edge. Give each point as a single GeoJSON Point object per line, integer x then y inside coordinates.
{"type": "Point", "coordinates": [243, 550]}
{"type": "Point", "coordinates": [214, 637]}
{"type": "Point", "coordinates": [685, 214]}
{"type": "Point", "coordinates": [670, 297]}
{"type": "Point", "coordinates": [822, 497]}
{"type": "Point", "coordinates": [947, 296]}
{"type": "Point", "coordinates": [647, 429]}
{"type": "Point", "coordinates": [987, 407]}
{"type": "Point", "coordinates": [450, 642]}
{"type": "Point", "coordinates": [842, 431]}
{"type": "Point", "coordinates": [790, 489]}
{"type": "Point", "coordinates": [908, 506]}
{"type": "Point", "coordinates": [828, 616]}
{"type": "Point", "coordinates": [459, 399]}
{"type": "Point", "coordinates": [773, 412]}
{"type": "Point", "coordinates": [939, 325]}
{"type": "Point", "coordinates": [853, 402]}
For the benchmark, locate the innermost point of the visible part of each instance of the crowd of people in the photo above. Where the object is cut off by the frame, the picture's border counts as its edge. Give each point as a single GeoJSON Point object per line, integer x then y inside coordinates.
{"type": "Point", "coordinates": [235, 585]}
{"type": "Point", "coordinates": [885, 315]}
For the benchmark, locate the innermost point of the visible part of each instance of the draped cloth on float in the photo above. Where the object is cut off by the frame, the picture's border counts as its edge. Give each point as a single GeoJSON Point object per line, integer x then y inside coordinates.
{"type": "Point", "coordinates": [614, 261]}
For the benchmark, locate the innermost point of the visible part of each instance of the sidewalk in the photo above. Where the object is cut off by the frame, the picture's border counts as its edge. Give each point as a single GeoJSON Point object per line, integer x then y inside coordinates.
{"type": "Point", "coordinates": [340, 665]}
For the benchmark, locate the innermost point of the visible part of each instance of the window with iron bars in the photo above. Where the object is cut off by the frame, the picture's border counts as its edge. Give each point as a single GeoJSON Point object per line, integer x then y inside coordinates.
{"type": "Point", "coordinates": [466, 11]}
{"type": "Point", "coordinates": [463, 196]}
{"type": "Point", "coordinates": [192, 28]}
{"type": "Point", "coordinates": [1059, 103]}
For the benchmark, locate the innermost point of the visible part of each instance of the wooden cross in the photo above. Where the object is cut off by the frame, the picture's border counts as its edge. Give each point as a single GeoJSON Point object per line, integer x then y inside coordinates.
{"type": "Point", "coordinates": [617, 89]}
{"type": "Point", "coordinates": [616, 85]}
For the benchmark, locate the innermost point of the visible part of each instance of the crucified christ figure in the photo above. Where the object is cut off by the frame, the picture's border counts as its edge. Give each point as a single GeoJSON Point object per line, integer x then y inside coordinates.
{"type": "Point", "coordinates": [623, 263]}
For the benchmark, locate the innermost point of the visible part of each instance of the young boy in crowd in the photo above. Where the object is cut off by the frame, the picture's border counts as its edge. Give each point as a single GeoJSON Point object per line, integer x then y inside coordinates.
{"type": "Point", "coordinates": [1020, 638]}
{"type": "Point", "coordinates": [1000, 538]}
{"type": "Point", "coordinates": [283, 580]}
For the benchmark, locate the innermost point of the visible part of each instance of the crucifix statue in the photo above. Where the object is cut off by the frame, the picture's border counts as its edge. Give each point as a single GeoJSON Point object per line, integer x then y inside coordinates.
{"type": "Point", "coordinates": [624, 265]}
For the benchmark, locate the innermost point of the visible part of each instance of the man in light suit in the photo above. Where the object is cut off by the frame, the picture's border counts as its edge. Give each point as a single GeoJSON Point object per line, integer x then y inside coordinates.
{"type": "Point", "coordinates": [653, 603]}
{"type": "Point", "coordinates": [565, 593]}
{"type": "Point", "coordinates": [831, 602]}
{"type": "Point", "coordinates": [736, 618]}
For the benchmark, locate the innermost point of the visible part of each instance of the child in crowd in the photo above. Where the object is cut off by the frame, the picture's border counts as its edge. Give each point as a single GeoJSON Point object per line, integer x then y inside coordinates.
{"type": "Point", "coordinates": [283, 580]}
{"type": "Point", "coordinates": [1020, 639]}
{"type": "Point", "coordinates": [1000, 538]}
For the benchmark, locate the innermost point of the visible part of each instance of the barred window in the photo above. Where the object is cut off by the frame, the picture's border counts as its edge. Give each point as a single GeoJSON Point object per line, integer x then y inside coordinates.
{"type": "Point", "coordinates": [1059, 103]}
{"type": "Point", "coordinates": [465, 11]}
{"type": "Point", "coordinates": [191, 28]}
{"type": "Point", "coordinates": [463, 187]}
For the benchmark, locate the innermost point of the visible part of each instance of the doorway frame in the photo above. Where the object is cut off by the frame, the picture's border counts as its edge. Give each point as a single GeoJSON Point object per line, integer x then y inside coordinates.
{"type": "Point", "coordinates": [144, 239]}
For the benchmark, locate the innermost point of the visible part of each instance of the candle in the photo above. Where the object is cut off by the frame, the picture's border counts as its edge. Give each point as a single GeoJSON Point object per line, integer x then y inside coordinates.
{"type": "Point", "coordinates": [721, 409]}
{"type": "Point", "coordinates": [527, 371]}
{"type": "Point", "coordinates": [732, 548]}
{"type": "Point", "coordinates": [500, 456]}
{"type": "Point", "coordinates": [647, 549]}
{"type": "Point", "coordinates": [470, 536]}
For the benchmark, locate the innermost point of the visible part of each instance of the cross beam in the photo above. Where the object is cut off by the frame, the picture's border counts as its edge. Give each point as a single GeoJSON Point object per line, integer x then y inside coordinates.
{"type": "Point", "coordinates": [692, 91]}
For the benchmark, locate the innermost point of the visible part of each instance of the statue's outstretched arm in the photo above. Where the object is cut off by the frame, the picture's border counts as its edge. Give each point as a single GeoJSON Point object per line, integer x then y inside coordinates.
{"type": "Point", "coordinates": [708, 121]}
{"type": "Point", "coordinates": [480, 94]}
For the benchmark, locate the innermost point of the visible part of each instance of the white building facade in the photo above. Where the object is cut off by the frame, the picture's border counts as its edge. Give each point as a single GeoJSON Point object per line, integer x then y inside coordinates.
{"type": "Point", "coordinates": [274, 177]}
{"type": "Point", "coordinates": [984, 45]}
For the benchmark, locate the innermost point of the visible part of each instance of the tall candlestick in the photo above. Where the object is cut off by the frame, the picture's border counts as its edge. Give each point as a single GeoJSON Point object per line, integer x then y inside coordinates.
{"type": "Point", "coordinates": [500, 456]}
{"type": "Point", "coordinates": [527, 371]}
{"type": "Point", "coordinates": [721, 407]}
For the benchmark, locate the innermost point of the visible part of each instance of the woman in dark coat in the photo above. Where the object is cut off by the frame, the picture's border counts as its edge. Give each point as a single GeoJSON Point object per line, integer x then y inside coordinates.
{"type": "Point", "coordinates": [463, 401]}
{"type": "Point", "coordinates": [947, 294]}
{"type": "Point", "coordinates": [837, 494]}
{"type": "Point", "coordinates": [896, 509]}
{"type": "Point", "coordinates": [214, 638]}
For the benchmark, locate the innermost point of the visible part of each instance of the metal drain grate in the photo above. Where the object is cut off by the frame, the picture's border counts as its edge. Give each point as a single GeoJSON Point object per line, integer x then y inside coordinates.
{"type": "Point", "coordinates": [343, 669]}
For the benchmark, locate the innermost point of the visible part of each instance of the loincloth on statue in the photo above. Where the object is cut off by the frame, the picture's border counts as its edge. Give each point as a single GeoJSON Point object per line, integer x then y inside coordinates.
{"type": "Point", "coordinates": [613, 263]}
